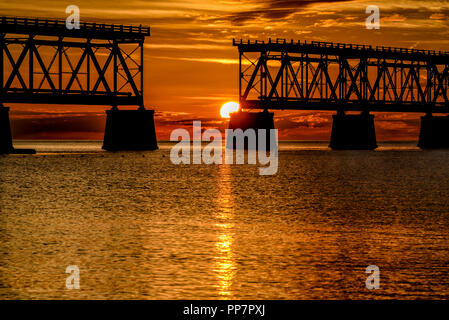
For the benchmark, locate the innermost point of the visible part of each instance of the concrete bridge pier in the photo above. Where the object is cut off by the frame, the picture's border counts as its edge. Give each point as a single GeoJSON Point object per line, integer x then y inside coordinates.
{"type": "Point", "coordinates": [434, 133]}
{"type": "Point", "coordinates": [5, 131]}
{"type": "Point", "coordinates": [129, 130]}
{"type": "Point", "coordinates": [6, 146]}
{"type": "Point", "coordinates": [353, 132]}
{"type": "Point", "coordinates": [251, 120]}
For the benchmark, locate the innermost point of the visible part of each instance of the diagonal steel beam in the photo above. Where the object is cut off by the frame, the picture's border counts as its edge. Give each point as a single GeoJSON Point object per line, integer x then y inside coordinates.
{"type": "Point", "coordinates": [251, 80]}
{"type": "Point", "coordinates": [43, 67]}
{"type": "Point", "coordinates": [128, 73]}
{"type": "Point", "coordinates": [16, 66]}
{"type": "Point", "coordinates": [76, 70]}
{"type": "Point", "coordinates": [103, 71]}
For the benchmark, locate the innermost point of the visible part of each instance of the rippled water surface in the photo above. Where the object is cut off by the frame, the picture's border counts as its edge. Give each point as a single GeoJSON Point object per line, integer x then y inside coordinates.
{"type": "Point", "coordinates": [139, 227]}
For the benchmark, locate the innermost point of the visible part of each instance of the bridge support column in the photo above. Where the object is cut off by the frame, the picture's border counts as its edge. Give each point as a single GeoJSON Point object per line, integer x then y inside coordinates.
{"type": "Point", "coordinates": [5, 131]}
{"type": "Point", "coordinates": [252, 120]}
{"type": "Point", "coordinates": [353, 132]}
{"type": "Point", "coordinates": [129, 130]}
{"type": "Point", "coordinates": [434, 132]}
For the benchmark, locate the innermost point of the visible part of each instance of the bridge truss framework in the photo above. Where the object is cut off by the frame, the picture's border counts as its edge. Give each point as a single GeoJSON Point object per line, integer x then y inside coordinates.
{"type": "Point", "coordinates": [41, 61]}
{"type": "Point", "coordinates": [343, 77]}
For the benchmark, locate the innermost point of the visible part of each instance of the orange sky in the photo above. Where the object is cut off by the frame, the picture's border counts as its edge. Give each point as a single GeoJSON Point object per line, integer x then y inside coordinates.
{"type": "Point", "coordinates": [191, 65]}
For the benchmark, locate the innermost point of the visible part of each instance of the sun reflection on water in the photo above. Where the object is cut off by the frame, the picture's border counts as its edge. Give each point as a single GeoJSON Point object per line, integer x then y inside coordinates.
{"type": "Point", "coordinates": [225, 267]}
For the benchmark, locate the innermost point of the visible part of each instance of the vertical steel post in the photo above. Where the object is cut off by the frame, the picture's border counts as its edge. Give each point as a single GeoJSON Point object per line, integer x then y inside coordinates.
{"type": "Point", "coordinates": [240, 78]}
{"type": "Point", "coordinates": [141, 74]}
{"type": "Point", "coordinates": [31, 67]}
{"type": "Point", "coordinates": [114, 51]}
{"type": "Point", "coordinates": [87, 66]}
{"type": "Point", "coordinates": [60, 64]}
{"type": "Point", "coordinates": [2, 44]}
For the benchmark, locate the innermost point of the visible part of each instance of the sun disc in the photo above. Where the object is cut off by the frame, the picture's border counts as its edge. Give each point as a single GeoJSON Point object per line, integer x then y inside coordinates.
{"type": "Point", "coordinates": [227, 108]}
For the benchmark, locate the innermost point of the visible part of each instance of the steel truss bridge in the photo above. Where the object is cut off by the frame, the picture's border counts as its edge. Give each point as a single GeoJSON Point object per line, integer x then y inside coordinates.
{"type": "Point", "coordinates": [41, 61]}
{"type": "Point", "coordinates": [344, 77]}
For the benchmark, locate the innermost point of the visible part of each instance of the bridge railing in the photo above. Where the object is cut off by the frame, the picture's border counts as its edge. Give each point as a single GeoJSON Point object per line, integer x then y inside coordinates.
{"type": "Point", "coordinates": [336, 45]}
{"type": "Point", "coordinates": [61, 24]}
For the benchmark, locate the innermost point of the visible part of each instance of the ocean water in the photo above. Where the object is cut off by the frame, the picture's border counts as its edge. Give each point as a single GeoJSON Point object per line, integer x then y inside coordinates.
{"type": "Point", "coordinates": [139, 227]}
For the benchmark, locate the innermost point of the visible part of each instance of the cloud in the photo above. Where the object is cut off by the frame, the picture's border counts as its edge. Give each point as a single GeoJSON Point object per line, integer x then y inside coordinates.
{"type": "Point", "coordinates": [395, 18]}
{"type": "Point", "coordinates": [206, 60]}
{"type": "Point", "coordinates": [32, 124]}
{"type": "Point", "coordinates": [437, 16]}
{"type": "Point", "coordinates": [189, 122]}
{"type": "Point", "coordinates": [269, 10]}
{"type": "Point", "coordinates": [177, 46]}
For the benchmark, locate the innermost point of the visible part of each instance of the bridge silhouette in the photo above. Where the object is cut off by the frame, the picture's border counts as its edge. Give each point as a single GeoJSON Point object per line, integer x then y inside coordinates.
{"type": "Point", "coordinates": [44, 62]}
{"type": "Point", "coordinates": [315, 75]}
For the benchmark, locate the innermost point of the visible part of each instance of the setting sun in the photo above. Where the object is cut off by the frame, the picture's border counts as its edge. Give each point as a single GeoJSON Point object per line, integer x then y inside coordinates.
{"type": "Point", "coordinates": [227, 108]}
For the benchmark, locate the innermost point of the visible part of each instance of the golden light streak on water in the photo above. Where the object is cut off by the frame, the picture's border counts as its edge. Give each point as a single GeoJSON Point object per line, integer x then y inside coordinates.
{"type": "Point", "coordinates": [225, 267]}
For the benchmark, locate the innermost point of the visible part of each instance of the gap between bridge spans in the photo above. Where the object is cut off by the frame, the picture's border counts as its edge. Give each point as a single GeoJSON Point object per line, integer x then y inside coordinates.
{"type": "Point", "coordinates": [261, 146]}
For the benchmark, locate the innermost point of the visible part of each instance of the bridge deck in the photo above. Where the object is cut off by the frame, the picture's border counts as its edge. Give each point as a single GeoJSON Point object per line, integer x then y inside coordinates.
{"type": "Point", "coordinates": [317, 105]}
